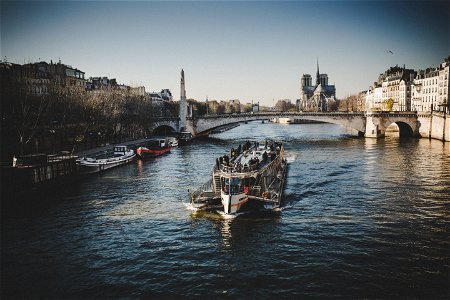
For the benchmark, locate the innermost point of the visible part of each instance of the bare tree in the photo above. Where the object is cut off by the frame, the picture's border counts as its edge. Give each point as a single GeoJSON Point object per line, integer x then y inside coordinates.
{"type": "Point", "coordinates": [283, 106]}
{"type": "Point", "coordinates": [22, 112]}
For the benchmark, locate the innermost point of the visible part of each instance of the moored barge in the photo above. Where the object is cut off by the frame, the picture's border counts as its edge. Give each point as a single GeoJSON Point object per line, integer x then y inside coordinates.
{"type": "Point", "coordinates": [252, 175]}
{"type": "Point", "coordinates": [121, 155]}
{"type": "Point", "coordinates": [154, 148]}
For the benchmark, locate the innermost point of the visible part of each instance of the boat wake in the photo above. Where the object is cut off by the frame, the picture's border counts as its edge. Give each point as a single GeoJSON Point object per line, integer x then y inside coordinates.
{"type": "Point", "coordinates": [191, 207]}
{"type": "Point", "coordinates": [290, 158]}
{"type": "Point", "coordinates": [282, 208]}
{"type": "Point", "coordinates": [230, 216]}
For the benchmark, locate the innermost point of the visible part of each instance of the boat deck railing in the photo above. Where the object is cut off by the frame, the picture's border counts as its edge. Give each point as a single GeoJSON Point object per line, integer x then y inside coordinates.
{"type": "Point", "coordinates": [206, 187]}
{"type": "Point", "coordinates": [239, 168]}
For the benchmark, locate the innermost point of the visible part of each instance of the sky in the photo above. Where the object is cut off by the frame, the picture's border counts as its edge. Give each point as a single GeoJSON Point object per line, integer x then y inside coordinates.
{"type": "Point", "coordinates": [246, 50]}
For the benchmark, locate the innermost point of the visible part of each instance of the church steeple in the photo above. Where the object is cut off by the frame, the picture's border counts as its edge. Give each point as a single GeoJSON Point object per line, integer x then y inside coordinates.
{"type": "Point", "coordinates": [317, 73]}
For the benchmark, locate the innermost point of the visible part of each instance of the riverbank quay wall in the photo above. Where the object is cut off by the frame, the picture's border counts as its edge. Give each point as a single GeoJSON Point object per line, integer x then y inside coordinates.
{"type": "Point", "coordinates": [41, 171]}
{"type": "Point", "coordinates": [435, 125]}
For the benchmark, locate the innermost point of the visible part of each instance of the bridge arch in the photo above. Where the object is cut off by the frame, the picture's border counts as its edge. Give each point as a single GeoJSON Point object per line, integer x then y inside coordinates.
{"type": "Point", "coordinates": [163, 130]}
{"type": "Point", "coordinates": [406, 126]}
{"type": "Point", "coordinates": [404, 129]}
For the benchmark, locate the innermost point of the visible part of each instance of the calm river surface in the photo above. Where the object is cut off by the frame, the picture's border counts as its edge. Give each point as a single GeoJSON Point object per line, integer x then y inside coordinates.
{"type": "Point", "coordinates": [362, 218]}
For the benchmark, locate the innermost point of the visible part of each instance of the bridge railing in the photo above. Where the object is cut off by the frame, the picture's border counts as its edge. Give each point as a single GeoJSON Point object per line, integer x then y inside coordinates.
{"type": "Point", "coordinates": [390, 114]}
{"type": "Point", "coordinates": [309, 114]}
{"type": "Point", "coordinates": [276, 114]}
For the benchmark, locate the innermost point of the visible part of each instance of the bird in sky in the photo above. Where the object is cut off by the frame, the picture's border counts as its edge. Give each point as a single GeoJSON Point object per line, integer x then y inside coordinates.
{"type": "Point", "coordinates": [389, 52]}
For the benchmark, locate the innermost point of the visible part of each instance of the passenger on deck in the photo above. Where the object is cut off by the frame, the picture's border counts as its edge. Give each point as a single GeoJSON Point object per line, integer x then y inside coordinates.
{"type": "Point", "coordinates": [265, 156]}
{"type": "Point", "coordinates": [257, 162]}
{"type": "Point", "coordinates": [226, 160]}
{"type": "Point", "coordinates": [247, 145]}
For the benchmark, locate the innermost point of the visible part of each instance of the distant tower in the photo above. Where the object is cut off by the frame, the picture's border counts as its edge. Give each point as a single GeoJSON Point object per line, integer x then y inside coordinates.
{"type": "Point", "coordinates": [183, 104]}
{"type": "Point", "coordinates": [317, 74]}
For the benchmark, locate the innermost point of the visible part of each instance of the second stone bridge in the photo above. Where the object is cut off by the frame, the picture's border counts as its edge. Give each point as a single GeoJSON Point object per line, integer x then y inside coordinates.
{"type": "Point", "coordinates": [369, 124]}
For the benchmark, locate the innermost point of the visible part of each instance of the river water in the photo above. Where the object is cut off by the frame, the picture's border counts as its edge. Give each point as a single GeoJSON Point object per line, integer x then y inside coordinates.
{"type": "Point", "coordinates": [361, 218]}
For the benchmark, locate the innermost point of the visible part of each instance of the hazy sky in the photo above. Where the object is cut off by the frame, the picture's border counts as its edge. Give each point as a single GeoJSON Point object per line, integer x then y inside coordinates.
{"type": "Point", "coordinates": [247, 50]}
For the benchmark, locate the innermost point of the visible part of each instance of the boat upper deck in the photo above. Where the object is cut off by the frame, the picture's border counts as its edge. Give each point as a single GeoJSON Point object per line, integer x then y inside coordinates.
{"type": "Point", "coordinates": [249, 158]}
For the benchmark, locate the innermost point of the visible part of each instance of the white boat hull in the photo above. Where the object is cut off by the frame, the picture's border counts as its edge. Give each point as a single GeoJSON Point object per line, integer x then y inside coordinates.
{"type": "Point", "coordinates": [233, 203]}
{"type": "Point", "coordinates": [90, 165]}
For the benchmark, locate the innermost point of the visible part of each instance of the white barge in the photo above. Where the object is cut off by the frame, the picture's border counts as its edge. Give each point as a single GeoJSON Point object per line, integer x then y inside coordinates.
{"type": "Point", "coordinates": [121, 155]}
{"type": "Point", "coordinates": [252, 175]}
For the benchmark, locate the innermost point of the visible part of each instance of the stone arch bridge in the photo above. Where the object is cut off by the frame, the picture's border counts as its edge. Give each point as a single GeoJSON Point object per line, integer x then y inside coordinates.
{"type": "Point", "coordinates": [369, 124]}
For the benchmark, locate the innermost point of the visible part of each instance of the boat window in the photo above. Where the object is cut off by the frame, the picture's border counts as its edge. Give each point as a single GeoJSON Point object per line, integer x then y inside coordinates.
{"type": "Point", "coordinates": [225, 185]}
{"type": "Point", "coordinates": [236, 186]}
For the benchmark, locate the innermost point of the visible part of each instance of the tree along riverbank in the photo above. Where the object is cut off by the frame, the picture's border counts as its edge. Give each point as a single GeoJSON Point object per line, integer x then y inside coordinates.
{"type": "Point", "coordinates": [72, 120]}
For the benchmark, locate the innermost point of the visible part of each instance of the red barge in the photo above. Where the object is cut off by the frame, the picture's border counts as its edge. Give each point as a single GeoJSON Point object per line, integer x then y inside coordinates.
{"type": "Point", "coordinates": [154, 149]}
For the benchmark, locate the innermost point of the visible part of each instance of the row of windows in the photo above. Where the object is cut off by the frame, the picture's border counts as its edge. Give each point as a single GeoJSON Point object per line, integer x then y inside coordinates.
{"type": "Point", "coordinates": [431, 90]}
{"type": "Point", "coordinates": [431, 81]}
{"type": "Point", "coordinates": [429, 98]}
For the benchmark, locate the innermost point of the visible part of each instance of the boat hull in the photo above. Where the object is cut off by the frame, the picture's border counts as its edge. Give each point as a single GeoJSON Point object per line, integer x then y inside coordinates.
{"type": "Point", "coordinates": [233, 203]}
{"type": "Point", "coordinates": [89, 167]}
{"type": "Point", "coordinates": [144, 153]}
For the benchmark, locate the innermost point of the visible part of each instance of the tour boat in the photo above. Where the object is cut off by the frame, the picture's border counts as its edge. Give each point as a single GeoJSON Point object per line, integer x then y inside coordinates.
{"type": "Point", "coordinates": [155, 148]}
{"type": "Point", "coordinates": [252, 175]}
{"type": "Point", "coordinates": [104, 161]}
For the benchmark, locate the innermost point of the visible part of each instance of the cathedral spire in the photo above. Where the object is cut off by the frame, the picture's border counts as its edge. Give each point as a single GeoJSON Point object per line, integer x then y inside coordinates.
{"type": "Point", "coordinates": [317, 73]}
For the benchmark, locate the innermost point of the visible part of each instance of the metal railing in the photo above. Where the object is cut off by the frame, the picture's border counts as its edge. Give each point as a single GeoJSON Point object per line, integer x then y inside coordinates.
{"type": "Point", "coordinates": [207, 186]}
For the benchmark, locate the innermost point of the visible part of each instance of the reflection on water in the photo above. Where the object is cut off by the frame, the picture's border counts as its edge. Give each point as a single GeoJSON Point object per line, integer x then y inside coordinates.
{"type": "Point", "coordinates": [361, 218]}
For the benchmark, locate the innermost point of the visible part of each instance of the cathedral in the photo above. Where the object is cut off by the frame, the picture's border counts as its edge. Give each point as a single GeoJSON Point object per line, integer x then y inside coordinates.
{"type": "Point", "coordinates": [318, 97]}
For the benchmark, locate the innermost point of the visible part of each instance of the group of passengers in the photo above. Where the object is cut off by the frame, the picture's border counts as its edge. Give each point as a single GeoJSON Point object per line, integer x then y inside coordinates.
{"type": "Point", "coordinates": [223, 162]}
